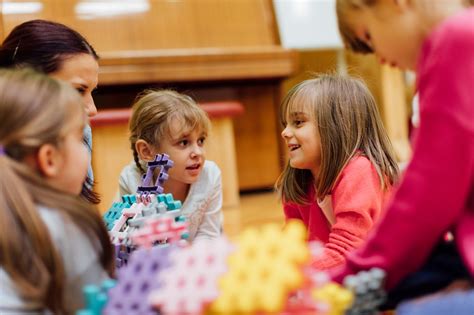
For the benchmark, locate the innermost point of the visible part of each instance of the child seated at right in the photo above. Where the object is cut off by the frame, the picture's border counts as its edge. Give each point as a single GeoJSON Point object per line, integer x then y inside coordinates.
{"type": "Point", "coordinates": [341, 163]}
{"type": "Point", "coordinates": [52, 242]}
{"type": "Point", "coordinates": [168, 122]}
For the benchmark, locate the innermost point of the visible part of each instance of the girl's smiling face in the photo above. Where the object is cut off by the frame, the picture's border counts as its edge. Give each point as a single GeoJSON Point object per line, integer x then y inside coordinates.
{"type": "Point", "coordinates": [301, 135]}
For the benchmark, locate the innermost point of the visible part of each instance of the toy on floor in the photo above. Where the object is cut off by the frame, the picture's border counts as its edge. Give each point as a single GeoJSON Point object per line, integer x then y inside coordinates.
{"type": "Point", "coordinates": [190, 284]}
{"type": "Point", "coordinates": [264, 270]}
{"type": "Point", "coordinates": [127, 220]}
{"type": "Point", "coordinates": [136, 281]}
{"type": "Point", "coordinates": [96, 297]}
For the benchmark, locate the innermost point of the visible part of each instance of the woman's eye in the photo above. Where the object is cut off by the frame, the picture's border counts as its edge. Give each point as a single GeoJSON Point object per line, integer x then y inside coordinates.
{"type": "Point", "coordinates": [183, 143]}
{"type": "Point", "coordinates": [201, 141]}
{"type": "Point", "coordinates": [297, 122]}
{"type": "Point", "coordinates": [81, 91]}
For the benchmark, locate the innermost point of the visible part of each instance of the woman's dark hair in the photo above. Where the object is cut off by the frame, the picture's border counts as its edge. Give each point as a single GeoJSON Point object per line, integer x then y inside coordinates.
{"type": "Point", "coordinates": [44, 45]}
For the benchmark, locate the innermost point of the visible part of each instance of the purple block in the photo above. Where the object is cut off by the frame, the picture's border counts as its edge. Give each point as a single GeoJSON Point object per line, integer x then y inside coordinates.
{"type": "Point", "coordinates": [136, 281]}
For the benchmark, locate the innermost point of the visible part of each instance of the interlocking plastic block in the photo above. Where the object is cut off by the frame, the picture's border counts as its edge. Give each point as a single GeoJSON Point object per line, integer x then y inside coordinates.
{"type": "Point", "coordinates": [114, 213]}
{"type": "Point", "coordinates": [130, 199]}
{"type": "Point", "coordinates": [159, 230]}
{"type": "Point", "coordinates": [148, 187]}
{"type": "Point", "coordinates": [367, 287]}
{"type": "Point", "coordinates": [137, 280]}
{"type": "Point", "coordinates": [96, 297]}
{"type": "Point", "coordinates": [266, 267]}
{"type": "Point", "coordinates": [338, 298]}
{"type": "Point", "coordinates": [169, 201]}
{"type": "Point", "coordinates": [191, 283]}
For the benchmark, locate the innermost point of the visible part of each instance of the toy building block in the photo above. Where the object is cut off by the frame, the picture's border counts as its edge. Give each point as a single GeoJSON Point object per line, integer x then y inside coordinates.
{"type": "Point", "coordinates": [114, 213]}
{"type": "Point", "coordinates": [159, 230]}
{"type": "Point", "coordinates": [148, 187]}
{"type": "Point", "coordinates": [136, 281]}
{"type": "Point", "coordinates": [119, 232]}
{"type": "Point", "coordinates": [367, 287]}
{"type": "Point", "coordinates": [264, 270]}
{"type": "Point", "coordinates": [337, 298]}
{"type": "Point", "coordinates": [169, 201]}
{"type": "Point", "coordinates": [96, 297]}
{"type": "Point", "coordinates": [191, 282]}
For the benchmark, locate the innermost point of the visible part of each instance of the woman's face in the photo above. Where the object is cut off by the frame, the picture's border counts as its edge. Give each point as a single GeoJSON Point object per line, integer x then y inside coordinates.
{"type": "Point", "coordinates": [82, 72]}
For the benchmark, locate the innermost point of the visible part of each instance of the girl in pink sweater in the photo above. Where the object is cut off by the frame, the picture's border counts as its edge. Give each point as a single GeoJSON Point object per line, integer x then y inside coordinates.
{"type": "Point", "coordinates": [341, 163]}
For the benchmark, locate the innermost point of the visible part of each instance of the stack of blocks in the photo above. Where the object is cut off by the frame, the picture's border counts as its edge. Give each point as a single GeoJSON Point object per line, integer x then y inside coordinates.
{"type": "Point", "coordinates": [367, 287]}
{"type": "Point", "coordinates": [124, 218]}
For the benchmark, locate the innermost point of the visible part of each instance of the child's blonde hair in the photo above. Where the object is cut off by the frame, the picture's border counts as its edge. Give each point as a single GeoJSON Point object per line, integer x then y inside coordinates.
{"type": "Point", "coordinates": [34, 110]}
{"type": "Point", "coordinates": [153, 112]}
{"type": "Point", "coordinates": [344, 8]}
{"type": "Point", "coordinates": [348, 123]}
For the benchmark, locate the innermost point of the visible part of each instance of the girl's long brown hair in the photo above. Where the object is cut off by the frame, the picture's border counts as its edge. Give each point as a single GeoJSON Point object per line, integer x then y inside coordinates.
{"type": "Point", "coordinates": [348, 122]}
{"type": "Point", "coordinates": [34, 110]}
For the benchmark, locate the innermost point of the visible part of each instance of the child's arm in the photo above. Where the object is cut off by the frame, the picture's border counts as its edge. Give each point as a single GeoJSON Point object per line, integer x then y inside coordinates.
{"type": "Point", "coordinates": [291, 211]}
{"type": "Point", "coordinates": [211, 225]}
{"type": "Point", "coordinates": [357, 201]}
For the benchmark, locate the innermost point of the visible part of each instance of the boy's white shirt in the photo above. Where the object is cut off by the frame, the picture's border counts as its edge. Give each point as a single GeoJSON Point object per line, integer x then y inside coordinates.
{"type": "Point", "coordinates": [203, 205]}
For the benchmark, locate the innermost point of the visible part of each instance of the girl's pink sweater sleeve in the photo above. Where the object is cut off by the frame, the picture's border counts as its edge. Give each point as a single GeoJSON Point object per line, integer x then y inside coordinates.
{"type": "Point", "coordinates": [357, 201]}
{"type": "Point", "coordinates": [291, 211]}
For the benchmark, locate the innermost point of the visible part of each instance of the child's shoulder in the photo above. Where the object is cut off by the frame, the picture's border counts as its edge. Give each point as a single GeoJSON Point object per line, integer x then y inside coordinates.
{"type": "Point", "coordinates": [359, 163]}
{"type": "Point", "coordinates": [210, 167]}
{"type": "Point", "coordinates": [456, 30]}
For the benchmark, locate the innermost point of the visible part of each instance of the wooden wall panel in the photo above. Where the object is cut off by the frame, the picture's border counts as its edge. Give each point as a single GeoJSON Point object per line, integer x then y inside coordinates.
{"type": "Point", "coordinates": [214, 50]}
{"type": "Point", "coordinates": [158, 24]}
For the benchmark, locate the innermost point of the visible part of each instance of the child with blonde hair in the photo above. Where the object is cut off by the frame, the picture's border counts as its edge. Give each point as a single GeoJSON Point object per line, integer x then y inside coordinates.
{"type": "Point", "coordinates": [435, 38]}
{"type": "Point", "coordinates": [169, 122]}
{"type": "Point", "coordinates": [52, 242]}
{"type": "Point", "coordinates": [341, 164]}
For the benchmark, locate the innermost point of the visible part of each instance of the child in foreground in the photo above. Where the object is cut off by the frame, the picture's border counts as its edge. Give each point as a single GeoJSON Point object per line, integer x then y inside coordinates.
{"type": "Point", "coordinates": [52, 242]}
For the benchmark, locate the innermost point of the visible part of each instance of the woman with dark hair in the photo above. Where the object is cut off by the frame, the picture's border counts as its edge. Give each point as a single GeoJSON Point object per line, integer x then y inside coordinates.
{"type": "Point", "coordinates": [62, 53]}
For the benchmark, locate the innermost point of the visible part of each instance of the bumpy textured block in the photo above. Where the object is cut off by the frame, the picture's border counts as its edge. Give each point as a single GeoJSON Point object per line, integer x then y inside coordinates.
{"type": "Point", "coordinates": [168, 199]}
{"type": "Point", "coordinates": [162, 229]}
{"type": "Point", "coordinates": [148, 187]}
{"type": "Point", "coordinates": [335, 296]}
{"type": "Point", "coordinates": [136, 281]}
{"type": "Point", "coordinates": [114, 213]}
{"type": "Point", "coordinates": [96, 297]}
{"type": "Point", "coordinates": [191, 283]}
{"type": "Point", "coordinates": [367, 287]}
{"type": "Point", "coordinates": [266, 267]}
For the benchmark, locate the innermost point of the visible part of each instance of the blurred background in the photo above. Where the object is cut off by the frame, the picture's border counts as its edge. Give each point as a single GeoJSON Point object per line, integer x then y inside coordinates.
{"type": "Point", "coordinates": [237, 58]}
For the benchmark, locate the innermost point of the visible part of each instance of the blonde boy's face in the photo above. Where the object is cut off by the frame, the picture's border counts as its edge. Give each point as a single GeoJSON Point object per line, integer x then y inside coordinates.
{"type": "Point", "coordinates": [393, 31]}
{"type": "Point", "coordinates": [187, 152]}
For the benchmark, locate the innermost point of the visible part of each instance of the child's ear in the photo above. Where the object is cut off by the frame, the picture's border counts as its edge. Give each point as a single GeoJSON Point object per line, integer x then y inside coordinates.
{"type": "Point", "coordinates": [49, 160]}
{"type": "Point", "coordinates": [144, 150]}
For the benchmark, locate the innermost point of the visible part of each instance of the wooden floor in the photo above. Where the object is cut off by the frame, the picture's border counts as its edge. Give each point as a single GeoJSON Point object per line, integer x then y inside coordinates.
{"type": "Point", "coordinates": [255, 209]}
